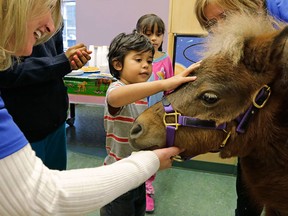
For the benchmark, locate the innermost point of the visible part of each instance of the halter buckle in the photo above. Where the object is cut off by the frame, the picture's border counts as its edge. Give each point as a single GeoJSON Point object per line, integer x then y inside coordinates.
{"type": "Point", "coordinates": [255, 102]}
{"type": "Point", "coordinates": [175, 114]}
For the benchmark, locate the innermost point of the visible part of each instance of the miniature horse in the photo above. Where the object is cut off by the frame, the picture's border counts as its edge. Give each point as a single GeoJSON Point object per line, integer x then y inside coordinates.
{"type": "Point", "coordinates": [237, 106]}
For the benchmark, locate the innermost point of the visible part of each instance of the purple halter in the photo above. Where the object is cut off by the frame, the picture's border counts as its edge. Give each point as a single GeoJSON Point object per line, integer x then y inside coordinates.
{"type": "Point", "coordinates": [243, 120]}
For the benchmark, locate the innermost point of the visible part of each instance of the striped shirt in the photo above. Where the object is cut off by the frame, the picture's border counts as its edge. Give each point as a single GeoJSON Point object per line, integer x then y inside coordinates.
{"type": "Point", "coordinates": [118, 126]}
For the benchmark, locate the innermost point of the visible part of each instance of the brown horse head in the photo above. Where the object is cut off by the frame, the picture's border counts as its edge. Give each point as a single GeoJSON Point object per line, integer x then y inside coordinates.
{"type": "Point", "coordinates": [238, 105]}
{"type": "Point", "coordinates": [245, 58]}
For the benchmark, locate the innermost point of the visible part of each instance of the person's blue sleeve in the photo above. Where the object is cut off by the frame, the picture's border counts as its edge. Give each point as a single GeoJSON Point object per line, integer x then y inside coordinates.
{"type": "Point", "coordinates": [11, 138]}
{"type": "Point", "coordinates": [278, 9]}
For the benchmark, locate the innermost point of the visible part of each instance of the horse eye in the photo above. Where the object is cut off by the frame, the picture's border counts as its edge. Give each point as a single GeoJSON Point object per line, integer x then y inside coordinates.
{"type": "Point", "coordinates": [209, 98]}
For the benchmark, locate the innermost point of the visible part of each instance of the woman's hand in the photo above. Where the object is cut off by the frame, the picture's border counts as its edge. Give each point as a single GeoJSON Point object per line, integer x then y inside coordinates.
{"type": "Point", "coordinates": [166, 155]}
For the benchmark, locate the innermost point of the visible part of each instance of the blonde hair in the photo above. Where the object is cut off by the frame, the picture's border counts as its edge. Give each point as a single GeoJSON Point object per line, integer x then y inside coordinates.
{"type": "Point", "coordinates": [229, 39]}
{"type": "Point", "coordinates": [14, 15]}
{"type": "Point", "coordinates": [229, 6]}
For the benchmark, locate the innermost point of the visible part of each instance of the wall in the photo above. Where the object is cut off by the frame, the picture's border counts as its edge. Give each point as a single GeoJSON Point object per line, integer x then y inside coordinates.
{"type": "Point", "coordinates": [182, 20]}
{"type": "Point", "coordinates": [99, 21]}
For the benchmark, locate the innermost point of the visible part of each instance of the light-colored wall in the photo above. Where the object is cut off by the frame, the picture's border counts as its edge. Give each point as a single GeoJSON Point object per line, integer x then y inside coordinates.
{"type": "Point", "coordinates": [99, 21]}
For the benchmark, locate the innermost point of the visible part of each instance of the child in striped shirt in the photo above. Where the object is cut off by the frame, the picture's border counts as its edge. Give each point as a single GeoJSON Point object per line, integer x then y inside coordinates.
{"type": "Point", "coordinates": [130, 62]}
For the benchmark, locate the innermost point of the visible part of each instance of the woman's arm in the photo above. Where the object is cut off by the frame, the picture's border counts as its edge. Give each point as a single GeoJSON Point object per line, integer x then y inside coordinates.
{"type": "Point", "coordinates": [29, 188]}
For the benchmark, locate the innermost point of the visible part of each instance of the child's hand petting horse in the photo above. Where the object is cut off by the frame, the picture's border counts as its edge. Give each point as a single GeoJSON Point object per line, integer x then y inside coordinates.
{"type": "Point", "coordinates": [175, 81]}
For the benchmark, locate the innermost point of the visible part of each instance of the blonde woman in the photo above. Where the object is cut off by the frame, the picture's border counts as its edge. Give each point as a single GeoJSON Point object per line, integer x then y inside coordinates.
{"type": "Point", "coordinates": [211, 12]}
{"type": "Point", "coordinates": [27, 186]}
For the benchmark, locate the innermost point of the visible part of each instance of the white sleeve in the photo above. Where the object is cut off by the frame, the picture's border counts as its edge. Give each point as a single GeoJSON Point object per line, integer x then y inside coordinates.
{"type": "Point", "coordinates": [27, 187]}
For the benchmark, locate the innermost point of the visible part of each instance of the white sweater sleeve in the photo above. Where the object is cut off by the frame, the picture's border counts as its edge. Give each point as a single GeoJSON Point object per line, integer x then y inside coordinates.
{"type": "Point", "coordinates": [27, 187]}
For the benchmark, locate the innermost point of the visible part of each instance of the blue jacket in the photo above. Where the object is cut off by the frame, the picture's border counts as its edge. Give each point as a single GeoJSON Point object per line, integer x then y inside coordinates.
{"type": "Point", "coordinates": [34, 92]}
{"type": "Point", "coordinates": [278, 9]}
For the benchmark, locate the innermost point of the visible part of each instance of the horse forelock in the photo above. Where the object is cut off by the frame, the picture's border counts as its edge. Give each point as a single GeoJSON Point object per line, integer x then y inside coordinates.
{"type": "Point", "coordinates": [229, 37]}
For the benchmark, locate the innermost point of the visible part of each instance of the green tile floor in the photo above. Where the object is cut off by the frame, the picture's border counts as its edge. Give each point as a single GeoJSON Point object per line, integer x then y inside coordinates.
{"type": "Point", "coordinates": [178, 191]}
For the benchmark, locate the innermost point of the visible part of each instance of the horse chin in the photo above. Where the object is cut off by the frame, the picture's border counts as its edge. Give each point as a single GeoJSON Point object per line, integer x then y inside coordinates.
{"type": "Point", "coordinates": [145, 142]}
{"type": "Point", "coordinates": [152, 148]}
{"type": "Point", "coordinates": [185, 156]}
{"type": "Point", "coordinates": [214, 151]}
{"type": "Point", "coordinates": [144, 145]}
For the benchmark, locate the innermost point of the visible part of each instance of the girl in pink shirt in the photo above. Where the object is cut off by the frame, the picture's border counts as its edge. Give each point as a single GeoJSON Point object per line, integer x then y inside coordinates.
{"type": "Point", "coordinates": [154, 28]}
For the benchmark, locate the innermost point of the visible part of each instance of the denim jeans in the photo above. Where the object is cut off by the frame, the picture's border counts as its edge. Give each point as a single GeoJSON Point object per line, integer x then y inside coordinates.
{"type": "Point", "coordinates": [52, 150]}
{"type": "Point", "coordinates": [132, 203]}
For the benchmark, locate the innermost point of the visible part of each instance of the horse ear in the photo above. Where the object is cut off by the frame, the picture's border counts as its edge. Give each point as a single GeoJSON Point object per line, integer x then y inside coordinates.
{"type": "Point", "coordinates": [262, 53]}
{"type": "Point", "coordinates": [279, 48]}
{"type": "Point", "coordinates": [278, 58]}
{"type": "Point", "coordinates": [255, 53]}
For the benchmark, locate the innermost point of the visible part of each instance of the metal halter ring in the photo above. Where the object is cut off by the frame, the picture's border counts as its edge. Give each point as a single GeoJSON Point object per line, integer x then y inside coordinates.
{"type": "Point", "coordinates": [177, 158]}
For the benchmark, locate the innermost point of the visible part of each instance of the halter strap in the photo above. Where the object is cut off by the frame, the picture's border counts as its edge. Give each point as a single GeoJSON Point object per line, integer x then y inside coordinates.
{"type": "Point", "coordinates": [180, 120]}
{"type": "Point", "coordinates": [258, 102]}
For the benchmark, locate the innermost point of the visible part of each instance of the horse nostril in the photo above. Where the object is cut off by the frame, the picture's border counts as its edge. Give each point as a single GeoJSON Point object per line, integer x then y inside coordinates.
{"type": "Point", "coordinates": [136, 129]}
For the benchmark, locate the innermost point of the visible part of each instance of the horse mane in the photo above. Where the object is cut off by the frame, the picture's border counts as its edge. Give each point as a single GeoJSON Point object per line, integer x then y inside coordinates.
{"type": "Point", "coordinates": [229, 37]}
